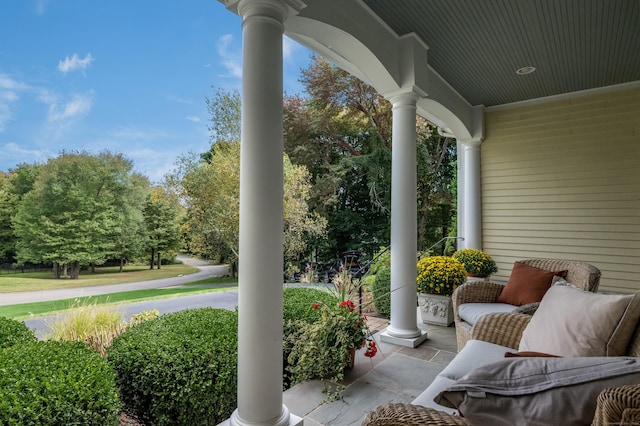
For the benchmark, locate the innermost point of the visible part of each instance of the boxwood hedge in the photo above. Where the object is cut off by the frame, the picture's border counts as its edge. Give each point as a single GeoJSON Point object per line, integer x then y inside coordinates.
{"type": "Point", "coordinates": [179, 369]}
{"type": "Point", "coordinates": [382, 291]}
{"type": "Point", "coordinates": [56, 383]}
{"type": "Point", "coordinates": [13, 332]}
{"type": "Point", "coordinates": [298, 303]}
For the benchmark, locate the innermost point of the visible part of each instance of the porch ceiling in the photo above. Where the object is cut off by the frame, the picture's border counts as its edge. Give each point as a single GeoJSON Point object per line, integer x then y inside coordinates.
{"type": "Point", "coordinates": [477, 46]}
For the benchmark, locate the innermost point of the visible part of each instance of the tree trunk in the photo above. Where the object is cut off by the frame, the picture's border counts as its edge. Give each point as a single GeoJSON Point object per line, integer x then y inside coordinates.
{"type": "Point", "coordinates": [153, 257]}
{"type": "Point", "coordinates": [65, 270]}
{"type": "Point", "coordinates": [93, 268]}
{"type": "Point", "coordinates": [159, 261]}
{"type": "Point", "coordinates": [75, 270]}
{"type": "Point", "coordinates": [121, 264]}
{"type": "Point", "coordinates": [233, 268]}
{"type": "Point", "coordinates": [56, 270]}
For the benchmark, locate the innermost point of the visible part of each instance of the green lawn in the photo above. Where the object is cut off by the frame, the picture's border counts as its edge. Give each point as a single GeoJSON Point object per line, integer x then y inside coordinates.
{"type": "Point", "coordinates": [36, 309]}
{"type": "Point", "coordinates": [31, 281]}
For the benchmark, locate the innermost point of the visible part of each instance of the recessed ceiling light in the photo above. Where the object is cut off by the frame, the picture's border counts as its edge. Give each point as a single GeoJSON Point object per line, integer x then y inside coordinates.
{"type": "Point", "coordinates": [525, 70]}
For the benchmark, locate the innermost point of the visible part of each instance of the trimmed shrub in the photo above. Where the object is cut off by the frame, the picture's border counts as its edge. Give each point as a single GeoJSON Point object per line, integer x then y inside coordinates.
{"type": "Point", "coordinates": [13, 332]}
{"type": "Point", "coordinates": [382, 291]}
{"type": "Point", "coordinates": [298, 303]}
{"type": "Point", "coordinates": [56, 383]}
{"type": "Point", "coordinates": [179, 369]}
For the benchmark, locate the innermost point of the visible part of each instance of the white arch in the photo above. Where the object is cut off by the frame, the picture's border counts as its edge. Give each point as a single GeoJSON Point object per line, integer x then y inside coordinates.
{"type": "Point", "coordinates": [343, 49]}
{"type": "Point", "coordinates": [387, 62]}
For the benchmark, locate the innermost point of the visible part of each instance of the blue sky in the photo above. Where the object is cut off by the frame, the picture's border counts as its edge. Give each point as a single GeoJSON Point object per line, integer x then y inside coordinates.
{"type": "Point", "coordinates": [128, 76]}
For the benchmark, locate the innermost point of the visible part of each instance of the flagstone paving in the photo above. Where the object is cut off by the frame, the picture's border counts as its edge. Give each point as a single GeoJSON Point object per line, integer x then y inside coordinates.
{"type": "Point", "coordinates": [395, 374]}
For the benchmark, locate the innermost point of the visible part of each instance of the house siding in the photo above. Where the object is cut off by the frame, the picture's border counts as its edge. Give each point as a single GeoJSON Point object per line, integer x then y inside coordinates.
{"type": "Point", "coordinates": [561, 179]}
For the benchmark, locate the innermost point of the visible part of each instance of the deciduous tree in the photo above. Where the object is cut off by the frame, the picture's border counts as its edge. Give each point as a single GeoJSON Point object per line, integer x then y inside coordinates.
{"type": "Point", "coordinates": [162, 217]}
{"type": "Point", "coordinates": [13, 186]}
{"type": "Point", "coordinates": [210, 189]}
{"type": "Point", "coordinates": [342, 133]}
{"type": "Point", "coordinates": [71, 215]}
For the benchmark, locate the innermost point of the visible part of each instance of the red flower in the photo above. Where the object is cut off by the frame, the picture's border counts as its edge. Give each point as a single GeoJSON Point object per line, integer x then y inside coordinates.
{"type": "Point", "coordinates": [316, 306]}
{"type": "Point", "coordinates": [372, 350]}
{"type": "Point", "coordinates": [349, 304]}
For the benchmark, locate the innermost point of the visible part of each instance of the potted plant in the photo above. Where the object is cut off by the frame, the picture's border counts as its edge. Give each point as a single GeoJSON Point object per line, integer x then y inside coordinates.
{"type": "Point", "coordinates": [325, 348]}
{"type": "Point", "coordinates": [476, 262]}
{"type": "Point", "coordinates": [438, 277]}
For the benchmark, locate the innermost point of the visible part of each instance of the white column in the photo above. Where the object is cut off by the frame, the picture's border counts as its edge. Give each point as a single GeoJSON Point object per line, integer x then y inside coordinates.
{"type": "Point", "coordinates": [261, 218]}
{"type": "Point", "coordinates": [472, 194]}
{"type": "Point", "coordinates": [404, 243]}
{"type": "Point", "coordinates": [460, 199]}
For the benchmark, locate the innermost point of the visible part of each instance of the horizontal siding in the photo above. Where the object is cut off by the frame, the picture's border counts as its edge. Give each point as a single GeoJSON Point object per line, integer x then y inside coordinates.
{"type": "Point", "coordinates": [562, 180]}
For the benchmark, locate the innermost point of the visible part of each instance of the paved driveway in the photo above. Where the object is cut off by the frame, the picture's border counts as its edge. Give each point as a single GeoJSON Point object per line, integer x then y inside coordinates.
{"type": "Point", "coordinates": [223, 300]}
{"type": "Point", "coordinates": [206, 271]}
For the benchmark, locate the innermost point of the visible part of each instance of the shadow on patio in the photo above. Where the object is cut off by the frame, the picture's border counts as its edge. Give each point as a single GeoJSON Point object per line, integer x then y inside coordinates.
{"type": "Point", "coordinates": [395, 374]}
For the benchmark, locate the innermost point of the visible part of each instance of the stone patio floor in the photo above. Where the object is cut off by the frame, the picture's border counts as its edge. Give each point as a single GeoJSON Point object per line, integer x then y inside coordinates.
{"type": "Point", "coordinates": [395, 374]}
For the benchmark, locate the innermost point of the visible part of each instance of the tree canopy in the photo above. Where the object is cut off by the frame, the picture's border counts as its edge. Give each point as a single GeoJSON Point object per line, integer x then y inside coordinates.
{"type": "Point", "coordinates": [82, 210]}
{"type": "Point", "coordinates": [209, 186]}
{"type": "Point", "coordinates": [341, 132]}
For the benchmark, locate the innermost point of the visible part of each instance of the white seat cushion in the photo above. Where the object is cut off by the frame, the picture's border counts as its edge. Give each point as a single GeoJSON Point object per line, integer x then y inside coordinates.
{"type": "Point", "coordinates": [434, 389]}
{"type": "Point", "coordinates": [471, 312]}
{"type": "Point", "coordinates": [476, 353]}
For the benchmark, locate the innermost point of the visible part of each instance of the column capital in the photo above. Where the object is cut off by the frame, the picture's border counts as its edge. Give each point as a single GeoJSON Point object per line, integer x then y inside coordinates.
{"type": "Point", "coordinates": [276, 9]}
{"type": "Point", "coordinates": [471, 143]}
{"type": "Point", "coordinates": [405, 96]}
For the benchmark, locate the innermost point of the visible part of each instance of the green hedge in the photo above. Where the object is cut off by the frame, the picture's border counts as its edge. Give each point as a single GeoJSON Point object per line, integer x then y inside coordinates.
{"type": "Point", "coordinates": [298, 303]}
{"type": "Point", "coordinates": [56, 383]}
{"type": "Point", "coordinates": [13, 332]}
{"type": "Point", "coordinates": [382, 291]}
{"type": "Point", "coordinates": [179, 369]}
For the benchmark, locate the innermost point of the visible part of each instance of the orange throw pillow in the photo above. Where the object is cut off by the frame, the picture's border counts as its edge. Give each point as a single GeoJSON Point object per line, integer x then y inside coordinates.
{"type": "Point", "coordinates": [527, 284]}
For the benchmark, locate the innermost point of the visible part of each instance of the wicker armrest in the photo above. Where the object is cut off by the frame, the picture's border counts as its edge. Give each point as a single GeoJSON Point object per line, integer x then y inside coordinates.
{"type": "Point", "coordinates": [501, 328]}
{"type": "Point", "coordinates": [528, 309]}
{"type": "Point", "coordinates": [618, 406]}
{"type": "Point", "coordinates": [411, 415]}
{"type": "Point", "coordinates": [476, 292]}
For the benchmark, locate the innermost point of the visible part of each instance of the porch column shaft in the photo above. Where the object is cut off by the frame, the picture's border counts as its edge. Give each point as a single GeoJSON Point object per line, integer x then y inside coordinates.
{"type": "Point", "coordinates": [261, 218]}
{"type": "Point", "coordinates": [404, 240]}
{"type": "Point", "coordinates": [472, 195]}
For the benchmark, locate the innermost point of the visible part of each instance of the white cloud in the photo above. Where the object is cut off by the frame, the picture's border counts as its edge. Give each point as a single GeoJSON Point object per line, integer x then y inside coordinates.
{"type": "Point", "coordinates": [74, 63]}
{"type": "Point", "coordinates": [288, 48]}
{"type": "Point", "coordinates": [7, 83]}
{"type": "Point", "coordinates": [41, 6]}
{"type": "Point", "coordinates": [9, 95]}
{"type": "Point", "coordinates": [17, 154]}
{"type": "Point", "coordinates": [231, 59]}
{"type": "Point", "coordinates": [79, 105]}
{"type": "Point", "coordinates": [193, 118]}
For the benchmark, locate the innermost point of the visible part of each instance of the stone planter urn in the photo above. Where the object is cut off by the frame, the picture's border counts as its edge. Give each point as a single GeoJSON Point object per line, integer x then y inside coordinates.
{"type": "Point", "coordinates": [476, 277]}
{"type": "Point", "coordinates": [436, 309]}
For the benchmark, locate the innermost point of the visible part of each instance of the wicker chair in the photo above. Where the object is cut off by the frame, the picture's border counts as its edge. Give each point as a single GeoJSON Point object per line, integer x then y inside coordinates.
{"type": "Point", "coordinates": [578, 273]}
{"type": "Point", "coordinates": [615, 406]}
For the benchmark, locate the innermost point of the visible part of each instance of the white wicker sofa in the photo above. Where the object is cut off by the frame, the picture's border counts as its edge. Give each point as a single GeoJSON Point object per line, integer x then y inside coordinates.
{"type": "Point", "coordinates": [475, 299]}
{"type": "Point", "coordinates": [587, 329]}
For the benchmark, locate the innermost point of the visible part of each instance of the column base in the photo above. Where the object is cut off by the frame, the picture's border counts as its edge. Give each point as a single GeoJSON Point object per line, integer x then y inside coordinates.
{"type": "Point", "coordinates": [287, 419]}
{"type": "Point", "coordinates": [407, 342]}
{"type": "Point", "coordinates": [293, 421]}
